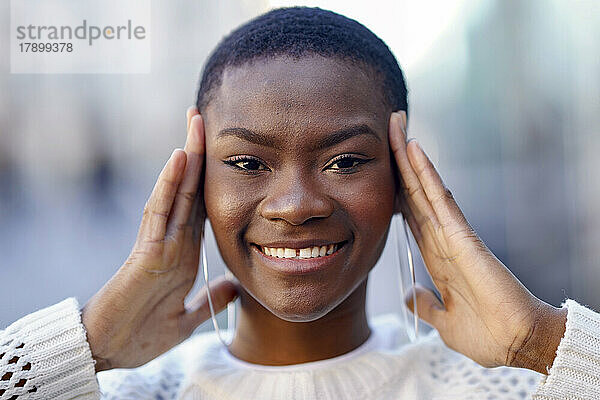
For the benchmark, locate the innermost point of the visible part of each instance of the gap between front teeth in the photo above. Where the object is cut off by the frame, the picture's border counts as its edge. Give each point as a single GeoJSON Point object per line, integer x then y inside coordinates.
{"type": "Point", "coordinates": [308, 252]}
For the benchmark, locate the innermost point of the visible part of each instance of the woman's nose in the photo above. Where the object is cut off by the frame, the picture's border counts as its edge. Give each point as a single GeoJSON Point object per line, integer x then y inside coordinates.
{"type": "Point", "coordinates": [296, 201]}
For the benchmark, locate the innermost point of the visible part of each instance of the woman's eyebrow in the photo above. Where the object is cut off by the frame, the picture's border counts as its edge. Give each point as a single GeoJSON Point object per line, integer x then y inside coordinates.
{"type": "Point", "coordinates": [331, 139]}
{"type": "Point", "coordinates": [248, 135]}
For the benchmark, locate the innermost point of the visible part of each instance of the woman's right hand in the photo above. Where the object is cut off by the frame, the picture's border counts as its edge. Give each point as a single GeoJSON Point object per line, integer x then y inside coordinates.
{"type": "Point", "coordinates": [139, 313]}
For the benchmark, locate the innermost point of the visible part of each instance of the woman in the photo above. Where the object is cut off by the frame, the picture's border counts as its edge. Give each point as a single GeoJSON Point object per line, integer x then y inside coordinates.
{"type": "Point", "coordinates": [299, 138]}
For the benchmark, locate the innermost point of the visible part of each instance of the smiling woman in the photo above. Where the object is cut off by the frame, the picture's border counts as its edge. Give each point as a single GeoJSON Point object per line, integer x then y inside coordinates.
{"type": "Point", "coordinates": [297, 154]}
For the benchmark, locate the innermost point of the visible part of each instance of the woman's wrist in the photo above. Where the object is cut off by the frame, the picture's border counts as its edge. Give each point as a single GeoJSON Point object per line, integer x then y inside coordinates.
{"type": "Point", "coordinates": [539, 349]}
{"type": "Point", "coordinates": [100, 364]}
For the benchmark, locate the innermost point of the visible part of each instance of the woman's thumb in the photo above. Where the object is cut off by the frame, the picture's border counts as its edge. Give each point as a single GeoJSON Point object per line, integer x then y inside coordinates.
{"type": "Point", "coordinates": [429, 308]}
{"type": "Point", "coordinates": [222, 292]}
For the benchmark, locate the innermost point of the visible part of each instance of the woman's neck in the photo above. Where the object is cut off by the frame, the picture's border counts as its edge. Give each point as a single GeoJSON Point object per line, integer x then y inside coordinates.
{"type": "Point", "coordinates": [263, 338]}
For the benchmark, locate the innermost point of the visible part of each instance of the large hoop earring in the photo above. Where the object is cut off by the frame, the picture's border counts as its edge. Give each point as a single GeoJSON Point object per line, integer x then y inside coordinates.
{"type": "Point", "coordinates": [210, 303]}
{"type": "Point", "coordinates": [413, 334]}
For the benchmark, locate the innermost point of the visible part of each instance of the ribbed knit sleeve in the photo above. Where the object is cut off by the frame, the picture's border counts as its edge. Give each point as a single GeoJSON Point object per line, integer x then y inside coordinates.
{"type": "Point", "coordinates": [45, 355]}
{"type": "Point", "coordinates": [575, 372]}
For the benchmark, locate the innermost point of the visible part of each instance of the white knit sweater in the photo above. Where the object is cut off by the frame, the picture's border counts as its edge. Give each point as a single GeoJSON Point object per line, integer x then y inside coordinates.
{"type": "Point", "coordinates": [45, 355]}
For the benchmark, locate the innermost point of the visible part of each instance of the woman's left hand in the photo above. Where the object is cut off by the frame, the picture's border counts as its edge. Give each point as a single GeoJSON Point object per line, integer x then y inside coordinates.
{"type": "Point", "coordinates": [487, 314]}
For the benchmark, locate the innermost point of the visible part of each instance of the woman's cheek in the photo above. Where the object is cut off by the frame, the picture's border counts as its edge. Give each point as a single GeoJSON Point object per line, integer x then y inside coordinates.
{"type": "Point", "coordinates": [223, 196]}
{"type": "Point", "coordinates": [211, 190]}
{"type": "Point", "coordinates": [228, 217]}
{"type": "Point", "coordinates": [230, 202]}
{"type": "Point", "coordinates": [370, 200]}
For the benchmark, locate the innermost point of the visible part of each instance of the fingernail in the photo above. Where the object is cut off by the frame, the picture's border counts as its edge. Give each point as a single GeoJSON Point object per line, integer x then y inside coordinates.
{"type": "Point", "coordinates": [194, 118]}
{"type": "Point", "coordinates": [173, 155]}
{"type": "Point", "coordinates": [179, 164]}
{"type": "Point", "coordinates": [402, 124]}
{"type": "Point", "coordinates": [399, 121]}
{"type": "Point", "coordinates": [417, 143]}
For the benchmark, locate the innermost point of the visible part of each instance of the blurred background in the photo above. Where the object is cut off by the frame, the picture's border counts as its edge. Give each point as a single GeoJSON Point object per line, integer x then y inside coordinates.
{"type": "Point", "coordinates": [504, 96]}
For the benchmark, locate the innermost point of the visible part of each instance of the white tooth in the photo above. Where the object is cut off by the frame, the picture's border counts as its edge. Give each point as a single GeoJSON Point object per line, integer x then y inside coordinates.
{"type": "Point", "coordinates": [280, 252]}
{"type": "Point", "coordinates": [305, 253]}
{"type": "Point", "coordinates": [322, 251]}
{"type": "Point", "coordinates": [315, 252]}
{"type": "Point", "coordinates": [289, 253]}
{"type": "Point", "coordinates": [330, 249]}
{"type": "Point", "coordinates": [267, 251]}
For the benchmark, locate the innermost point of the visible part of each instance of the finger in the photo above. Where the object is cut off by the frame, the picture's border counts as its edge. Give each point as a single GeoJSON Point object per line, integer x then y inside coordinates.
{"type": "Point", "coordinates": [412, 222]}
{"type": "Point", "coordinates": [198, 211]}
{"type": "Point", "coordinates": [222, 292]}
{"type": "Point", "coordinates": [438, 195]}
{"type": "Point", "coordinates": [158, 206]}
{"type": "Point", "coordinates": [191, 111]}
{"type": "Point", "coordinates": [413, 191]}
{"type": "Point", "coordinates": [182, 217]}
{"type": "Point", "coordinates": [195, 139]}
{"type": "Point", "coordinates": [429, 308]}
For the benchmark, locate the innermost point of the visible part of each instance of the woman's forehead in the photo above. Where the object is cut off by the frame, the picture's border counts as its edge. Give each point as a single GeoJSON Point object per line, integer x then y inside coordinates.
{"type": "Point", "coordinates": [312, 89]}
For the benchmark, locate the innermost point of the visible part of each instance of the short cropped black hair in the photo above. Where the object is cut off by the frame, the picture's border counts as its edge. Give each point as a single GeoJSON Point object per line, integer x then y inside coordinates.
{"type": "Point", "coordinates": [300, 31]}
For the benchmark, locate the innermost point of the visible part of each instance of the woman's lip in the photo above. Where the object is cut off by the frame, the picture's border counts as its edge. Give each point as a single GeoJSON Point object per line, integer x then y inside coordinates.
{"type": "Point", "coordinates": [300, 266]}
{"type": "Point", "coordinates": [302, 244]}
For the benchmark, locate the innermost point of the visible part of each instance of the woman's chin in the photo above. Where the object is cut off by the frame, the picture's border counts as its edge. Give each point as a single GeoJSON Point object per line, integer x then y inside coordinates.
{"type": "Point", "coordinates": [295, 316]}
{"type": "Point", "coordinates": [297, 301]}
{"type": "Point", "coordinates": [294, 310]}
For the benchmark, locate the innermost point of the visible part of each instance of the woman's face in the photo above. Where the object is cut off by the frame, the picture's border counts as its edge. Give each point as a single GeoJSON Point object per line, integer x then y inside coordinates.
{"type": "Point", "coordinates": [297, 157]}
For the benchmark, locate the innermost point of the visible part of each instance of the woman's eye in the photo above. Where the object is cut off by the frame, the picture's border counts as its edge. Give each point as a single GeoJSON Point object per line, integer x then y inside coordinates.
{"type": "Point", "coordinates": [246, 163]}
{"type": "Point", "coordinates": [347, 163]}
